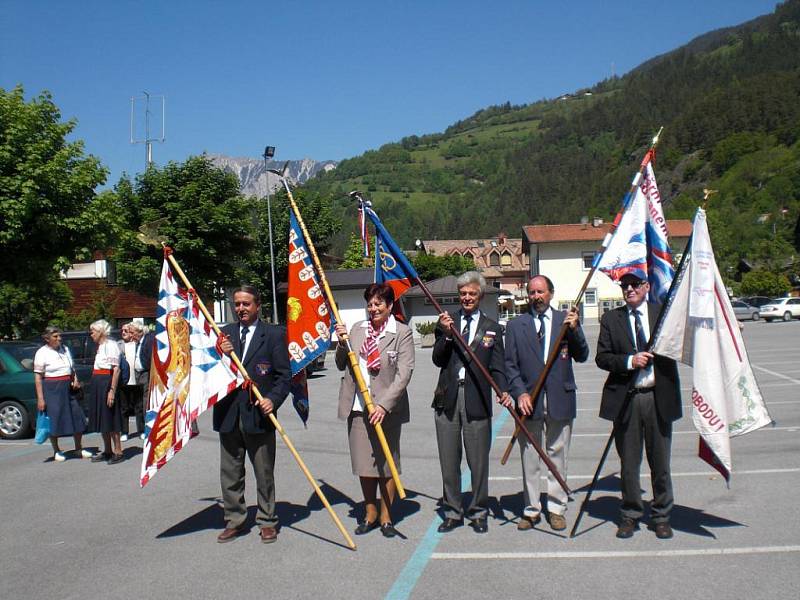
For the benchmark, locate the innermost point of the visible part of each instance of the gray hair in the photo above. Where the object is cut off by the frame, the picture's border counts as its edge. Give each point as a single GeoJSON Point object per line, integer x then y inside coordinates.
{"type": "Point", "coordinates": [471, 277]}
{"type": "Point", "coordinates": [49, 331]}
{"type": "Point", "coordinates": [134, 326]}
{"type": "Point", "coordinates": [101, 326]}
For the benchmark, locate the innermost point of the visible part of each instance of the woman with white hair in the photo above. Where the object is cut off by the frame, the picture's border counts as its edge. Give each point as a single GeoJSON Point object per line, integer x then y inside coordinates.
{"type": "Point", "coordinates": [105, 414]}
{"type": "Point", "coordinates": [55, 379]}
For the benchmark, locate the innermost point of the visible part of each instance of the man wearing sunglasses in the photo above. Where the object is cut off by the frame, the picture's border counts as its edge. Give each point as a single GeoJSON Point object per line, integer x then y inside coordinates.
{"type": "Point", "coordinates": [642, 397]}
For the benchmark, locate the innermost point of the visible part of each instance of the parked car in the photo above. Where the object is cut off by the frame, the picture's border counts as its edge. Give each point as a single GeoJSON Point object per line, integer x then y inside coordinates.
{"type": "Point", "coordinates": [757, 301]}
{"type": "Point", "coordinates": [744, 311]}
{"type": "Point", "coordinates": [17, 397]}
{"type": "Point", "coordinates": [781, 308]}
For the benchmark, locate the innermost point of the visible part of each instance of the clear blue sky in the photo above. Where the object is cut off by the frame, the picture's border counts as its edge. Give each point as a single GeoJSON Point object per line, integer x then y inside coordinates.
{"type": "Point", "coordinates": [323, 79]}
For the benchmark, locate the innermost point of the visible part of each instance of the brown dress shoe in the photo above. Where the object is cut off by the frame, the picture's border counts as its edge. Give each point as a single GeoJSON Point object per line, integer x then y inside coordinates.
{"type": "Point", "coordinates": [229, 534]}
{"type": "Point", "coordinates": [526, 523]}
{"type": "Point", "coordinates": [557, 522]}
{"type": "Point", "coordinates": [663, 531]}
{"type": "Point", "coordinates": [269, 535]}
{"type": "Point", "coordinates": [626, 528]}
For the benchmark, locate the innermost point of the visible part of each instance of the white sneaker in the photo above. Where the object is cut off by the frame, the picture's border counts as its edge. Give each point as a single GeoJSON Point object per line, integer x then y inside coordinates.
{"type": "Point", "coordinates": [59, 457]}
{"type": "Point", "coordinates": [123, 437]}
{"type": "Point", "coordinates": [86, 454]}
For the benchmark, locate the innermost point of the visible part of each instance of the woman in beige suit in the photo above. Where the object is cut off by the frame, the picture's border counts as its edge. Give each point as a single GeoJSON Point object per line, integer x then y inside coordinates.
{"type": "Point", "coordinates": [385, 351]}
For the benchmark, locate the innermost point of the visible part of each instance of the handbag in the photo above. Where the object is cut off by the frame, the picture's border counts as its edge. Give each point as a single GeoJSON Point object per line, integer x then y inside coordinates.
{"type": "Point", "coordinates": [42, 427]}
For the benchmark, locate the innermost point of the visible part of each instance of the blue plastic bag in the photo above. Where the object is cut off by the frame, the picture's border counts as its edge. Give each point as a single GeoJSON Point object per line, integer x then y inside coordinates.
{"type": "Point", "coordinates": [42, 427]}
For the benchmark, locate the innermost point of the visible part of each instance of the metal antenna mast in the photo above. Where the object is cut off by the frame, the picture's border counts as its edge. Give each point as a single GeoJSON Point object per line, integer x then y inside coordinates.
{"type": "Point", "coordinates": [147, 140]}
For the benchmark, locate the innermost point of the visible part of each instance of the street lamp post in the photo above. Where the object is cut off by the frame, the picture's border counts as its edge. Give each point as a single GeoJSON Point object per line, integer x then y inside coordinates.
{"type": "Point", "coordinates": [269, 152]}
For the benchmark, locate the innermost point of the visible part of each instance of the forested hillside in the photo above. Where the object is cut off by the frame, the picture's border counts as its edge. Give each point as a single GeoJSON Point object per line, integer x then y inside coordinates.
{"type": "Point", "coordinates": [729, 102]}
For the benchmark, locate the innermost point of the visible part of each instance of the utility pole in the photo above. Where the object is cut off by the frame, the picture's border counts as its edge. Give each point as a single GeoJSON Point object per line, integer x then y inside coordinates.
{"type": "Point", "coordinates": [269, 152]}
{"type": "Point", "coordinates": [148, 140]}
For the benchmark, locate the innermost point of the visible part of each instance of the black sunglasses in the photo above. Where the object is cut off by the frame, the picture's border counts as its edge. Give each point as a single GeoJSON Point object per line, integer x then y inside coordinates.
{"type": "Point", "coordinates": [632, 284]}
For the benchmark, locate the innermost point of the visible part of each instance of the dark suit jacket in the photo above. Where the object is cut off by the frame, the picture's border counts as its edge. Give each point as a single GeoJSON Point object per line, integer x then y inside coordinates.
{"type": "Point", "coordinates": [614, 346]}
{"type": "Point", "coordinates": [449, 357]}
{"type": "Point", "coordinates": [267, 363]}
{"type": "Point", "coordinates": [525, 362]}
{"type": "Point", "coordinates": [146, 355]}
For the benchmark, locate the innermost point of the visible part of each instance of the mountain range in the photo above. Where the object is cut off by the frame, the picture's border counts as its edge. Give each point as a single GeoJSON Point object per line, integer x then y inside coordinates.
{"type": "Point", "coordinates": [254, 176]}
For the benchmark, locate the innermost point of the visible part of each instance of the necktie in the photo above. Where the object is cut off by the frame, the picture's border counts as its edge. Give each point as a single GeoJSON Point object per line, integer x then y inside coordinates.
{"type": "Point", "coordinates": [243, 340]}
{"type": "Point", "coordinates": [542, 332]}
{"type": "Point", "coordinates": [641, 338]}
{"type": "Point", "coordinates": [465, 329]}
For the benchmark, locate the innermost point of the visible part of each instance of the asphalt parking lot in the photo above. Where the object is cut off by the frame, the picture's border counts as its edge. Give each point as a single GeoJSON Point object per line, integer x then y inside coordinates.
{"type": "Point", "coordinates": [82, 530]}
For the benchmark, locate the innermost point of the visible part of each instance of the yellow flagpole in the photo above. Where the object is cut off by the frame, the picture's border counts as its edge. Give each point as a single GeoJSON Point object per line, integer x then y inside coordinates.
{"type": "Point", "coordinates": [273, 419]}
{"type": "Point", "coordinates": [354, 366]}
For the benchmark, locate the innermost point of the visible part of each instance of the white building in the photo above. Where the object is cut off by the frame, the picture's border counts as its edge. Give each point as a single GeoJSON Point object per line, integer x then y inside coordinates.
{"type": "Point", "coordinates": [565, 253]}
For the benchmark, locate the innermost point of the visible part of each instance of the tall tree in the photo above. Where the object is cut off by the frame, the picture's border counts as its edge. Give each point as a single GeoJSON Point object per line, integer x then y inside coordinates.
{"type": "Point", "coordinates": [199, 212]}
{"type": "Point", "coordinates": [50, 216]}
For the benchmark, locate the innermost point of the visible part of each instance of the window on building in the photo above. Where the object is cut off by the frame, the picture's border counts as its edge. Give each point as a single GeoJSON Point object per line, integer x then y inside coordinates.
{"type": "Point", "coordinates": [590, 297]}
{"type": "Point", "coordinates": [496, 283]}
{"type": "Point", "coordinates": [494, 259]}
{"type": "Point", "coordinates": [588, 259]}
{"type": "Point", "coordinates": [505, 260]}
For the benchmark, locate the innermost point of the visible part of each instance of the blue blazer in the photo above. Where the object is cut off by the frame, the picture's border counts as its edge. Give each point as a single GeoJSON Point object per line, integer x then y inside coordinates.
{"type": "Point", "coordinates": [267, 363]}
{"type": "Point", "coordinates": [524, 364]}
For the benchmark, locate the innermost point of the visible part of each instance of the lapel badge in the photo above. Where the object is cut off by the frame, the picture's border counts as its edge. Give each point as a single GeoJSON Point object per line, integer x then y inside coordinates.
{"type": "Point", "coordinates": [263, 368]}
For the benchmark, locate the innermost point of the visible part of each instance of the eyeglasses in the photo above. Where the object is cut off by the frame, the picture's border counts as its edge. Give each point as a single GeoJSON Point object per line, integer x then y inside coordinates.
{"type": "Point", "coordinates": [632, 284]}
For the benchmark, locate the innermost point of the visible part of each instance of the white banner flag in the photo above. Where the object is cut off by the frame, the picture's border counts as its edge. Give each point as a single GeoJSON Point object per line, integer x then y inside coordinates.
{"type": "Point", "coordinates": [699, 329]}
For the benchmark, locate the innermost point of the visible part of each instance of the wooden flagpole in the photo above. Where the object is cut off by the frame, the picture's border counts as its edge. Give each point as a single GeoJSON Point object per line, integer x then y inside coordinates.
{"type": "Point", "coordinates": [554, 349]}
{"type": "Point", "coordinates": [361, 384]}
{"type": "Point", "coordinates": [473, 357]}
{"type": "Point", "coordinates": [273, 419]}
{"type": "Point", "coordinates": [706, 194]}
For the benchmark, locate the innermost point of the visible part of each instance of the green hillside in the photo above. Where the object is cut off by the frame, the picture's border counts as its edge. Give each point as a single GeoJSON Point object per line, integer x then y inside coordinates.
{"type": "Point", "coordinates": [730, 105]}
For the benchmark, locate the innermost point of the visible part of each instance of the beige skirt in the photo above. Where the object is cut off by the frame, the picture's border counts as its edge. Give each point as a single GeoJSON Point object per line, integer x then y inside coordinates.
{"type": "Point", "coordinates": [366, 454]}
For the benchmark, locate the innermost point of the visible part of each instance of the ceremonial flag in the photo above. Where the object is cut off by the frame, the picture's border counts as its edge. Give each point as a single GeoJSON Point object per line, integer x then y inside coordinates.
{"type": "Point", "coordinates": [700, 329]}
{"type": "Point", "coordinates": [391, 265]}
{"type": "Point", "coordinates": [640, 244]}
{"type": "Point", "coordinates": [188, 374]}
{"type": "Point", "coordinates": [308, 321]}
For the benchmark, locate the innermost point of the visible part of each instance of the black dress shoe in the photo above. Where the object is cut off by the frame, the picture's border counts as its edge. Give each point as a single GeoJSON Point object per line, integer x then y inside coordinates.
{"type": "Point", "coordinates": [388, 530]}
{"type": "Point", "coordinates": [626, 528]}
{"type": "Point", "coordinates": [366, 527]}
{"type": "Point", "coordinates": [449, 524]}
{"type": "Point", "coordinates": [479, 525]}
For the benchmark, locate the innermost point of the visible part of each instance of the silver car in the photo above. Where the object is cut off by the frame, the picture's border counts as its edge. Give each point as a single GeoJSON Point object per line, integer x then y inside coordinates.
{"type": "Point", "coordinates": [781, 308]}
{"type": "Point", "coordinates": [744, 311]}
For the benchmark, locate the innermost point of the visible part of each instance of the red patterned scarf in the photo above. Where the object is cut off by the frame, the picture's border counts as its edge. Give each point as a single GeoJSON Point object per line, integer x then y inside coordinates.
{"type": "Point", "coordinates": [369, 349]}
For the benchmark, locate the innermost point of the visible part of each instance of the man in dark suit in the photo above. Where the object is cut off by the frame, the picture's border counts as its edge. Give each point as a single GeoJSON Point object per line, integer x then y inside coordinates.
{"type": "Point", "coordinates": [463, 402]}
{"type": "Point", "coordinates": [143, 353]}
{"type": "Point", "coordinates": [642, 396]}
{"type": "Point", "coordinates": [528, 341]}
{"type": "Point", "coordinates": [241, 419]}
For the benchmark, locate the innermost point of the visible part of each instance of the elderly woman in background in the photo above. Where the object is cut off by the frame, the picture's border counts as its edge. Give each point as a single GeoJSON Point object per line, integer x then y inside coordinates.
{"type": "Point", "coordinates": [386, 357]}
{"type": "Point", "coordinates": [55, 379]}
{"type": "Point", "coordinates": [105, 414]}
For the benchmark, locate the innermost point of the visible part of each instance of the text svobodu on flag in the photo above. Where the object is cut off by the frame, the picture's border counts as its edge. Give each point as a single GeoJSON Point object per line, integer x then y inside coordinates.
{"type": "Point", "coordinates": [187, 376]}
{"type": "Point", "coordinates": [700, 329]}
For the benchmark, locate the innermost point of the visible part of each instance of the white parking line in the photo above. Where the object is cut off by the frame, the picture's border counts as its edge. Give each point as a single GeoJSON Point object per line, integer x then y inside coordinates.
{"type": "Point", "coordinates": [678, 474]}
{"type": "Point", "coordinates": [774, 374]}
{"type": "Point", "coordinates": [606, 433]}
{"type": "Point", "coordinates": [618, 554]}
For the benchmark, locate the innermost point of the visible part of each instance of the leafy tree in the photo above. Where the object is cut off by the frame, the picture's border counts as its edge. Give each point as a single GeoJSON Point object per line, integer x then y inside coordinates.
{"type": "Point", "coordinates": [200, 214]}
{"type": "Point", "coordinates": [764, 283]}
{"type": "Point", "coordinates": [431, 267]}
{"type": "Point", "coordinates": [354, 255]}
{"type": "Point", "coordinates": [49, 214]}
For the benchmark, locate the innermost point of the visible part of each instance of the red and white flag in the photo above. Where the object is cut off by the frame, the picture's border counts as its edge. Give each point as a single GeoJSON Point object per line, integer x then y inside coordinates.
{"type": "Point", "coordinates": [700, 329]}
{"type": "Point", "coordinates": [188, 374]}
